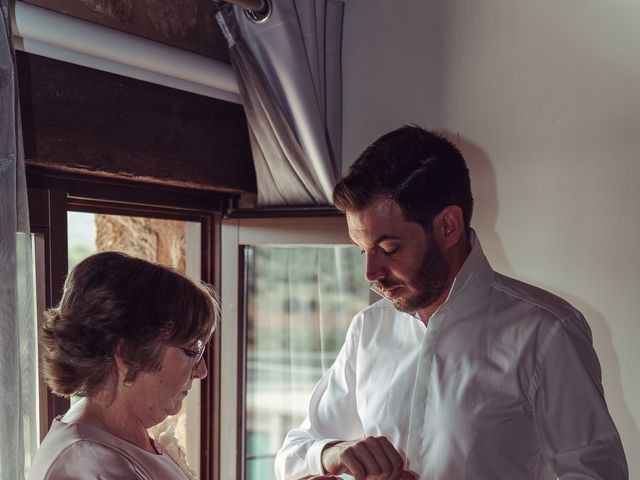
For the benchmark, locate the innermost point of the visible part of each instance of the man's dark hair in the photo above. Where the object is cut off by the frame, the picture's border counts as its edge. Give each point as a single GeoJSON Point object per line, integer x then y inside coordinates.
{"type": "Point", "coordinates": [420, 170]}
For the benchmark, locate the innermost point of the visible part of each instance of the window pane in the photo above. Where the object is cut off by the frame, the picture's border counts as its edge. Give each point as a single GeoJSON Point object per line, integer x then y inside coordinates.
{"type": "Point", "coordinates": [299, 302]}
{"type": "Point", "coordinates": [169, 242]}
{"type": "Point", "coordinates": [27, 351]}
{"type": "Point", "coordinates": [81, 237]}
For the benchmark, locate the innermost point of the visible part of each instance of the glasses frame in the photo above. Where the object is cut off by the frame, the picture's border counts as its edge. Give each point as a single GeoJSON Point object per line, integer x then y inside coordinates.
{"type": "Point", "coordinates": [198, 353]}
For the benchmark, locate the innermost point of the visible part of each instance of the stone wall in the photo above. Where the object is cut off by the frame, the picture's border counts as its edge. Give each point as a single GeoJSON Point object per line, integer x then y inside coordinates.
{"type": "Point", "coordinates": [153, 239]}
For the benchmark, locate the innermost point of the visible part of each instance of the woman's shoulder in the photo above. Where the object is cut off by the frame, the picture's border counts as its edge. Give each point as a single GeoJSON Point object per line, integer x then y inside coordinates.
{"type": "Point", "coordinates": [71, 451]}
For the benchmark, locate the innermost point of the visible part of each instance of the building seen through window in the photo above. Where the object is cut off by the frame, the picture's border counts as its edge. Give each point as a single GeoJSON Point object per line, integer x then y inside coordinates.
{"type": "Point", "coordinates": [299, 302]}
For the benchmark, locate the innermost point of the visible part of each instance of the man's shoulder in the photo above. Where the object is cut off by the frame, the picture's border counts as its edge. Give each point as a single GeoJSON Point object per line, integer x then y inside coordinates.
{"type": "Point", "coordinates": [537, 299]}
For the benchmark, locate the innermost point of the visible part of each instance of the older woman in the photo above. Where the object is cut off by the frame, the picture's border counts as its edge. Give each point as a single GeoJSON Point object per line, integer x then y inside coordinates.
{"type": "Point", "coordinates": [128, 336]}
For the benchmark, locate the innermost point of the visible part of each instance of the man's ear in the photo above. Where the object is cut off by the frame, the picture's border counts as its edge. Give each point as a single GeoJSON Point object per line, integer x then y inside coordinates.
{"type": "Point", "coordinates": [448, 226]}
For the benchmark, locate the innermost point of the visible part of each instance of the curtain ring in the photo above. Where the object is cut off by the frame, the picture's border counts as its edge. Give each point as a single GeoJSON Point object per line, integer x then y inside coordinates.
{"type": "Point", "coordinates": [262, 15]}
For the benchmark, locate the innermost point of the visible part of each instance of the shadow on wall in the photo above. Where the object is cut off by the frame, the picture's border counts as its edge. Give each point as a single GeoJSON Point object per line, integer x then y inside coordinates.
{"type": "Point", "coordinates": [613, 388]}
{"type": "Point", "coordinates": [483, 184]}
{"type": "Point", "coordinates": [485, 196]}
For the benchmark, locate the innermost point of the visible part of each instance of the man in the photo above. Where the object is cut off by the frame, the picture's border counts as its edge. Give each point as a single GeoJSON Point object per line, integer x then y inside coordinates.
{"type": "Point", "coordinates": [460, 372]}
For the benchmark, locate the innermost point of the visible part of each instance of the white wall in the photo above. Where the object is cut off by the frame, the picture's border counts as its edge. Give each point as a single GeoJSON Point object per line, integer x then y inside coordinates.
{"type": "Point", "coordinates": [544, 99]}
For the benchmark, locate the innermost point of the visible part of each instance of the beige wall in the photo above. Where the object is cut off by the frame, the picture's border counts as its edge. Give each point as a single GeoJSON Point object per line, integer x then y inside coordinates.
{"type": "Point", "coordinates": [544, 98]}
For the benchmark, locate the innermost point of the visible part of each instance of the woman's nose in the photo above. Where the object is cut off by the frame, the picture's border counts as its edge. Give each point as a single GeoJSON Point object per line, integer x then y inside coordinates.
{"type": "Point", "coordinates": [200, 369]}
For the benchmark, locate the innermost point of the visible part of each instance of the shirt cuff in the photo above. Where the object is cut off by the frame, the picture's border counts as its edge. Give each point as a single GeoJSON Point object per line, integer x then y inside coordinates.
{"type": "Point", "coordinates": [314, 454]}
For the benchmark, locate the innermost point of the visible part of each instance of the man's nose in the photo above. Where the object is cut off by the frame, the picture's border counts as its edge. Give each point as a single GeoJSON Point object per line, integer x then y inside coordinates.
{"type": "Point", "coordinates": [374, 269]}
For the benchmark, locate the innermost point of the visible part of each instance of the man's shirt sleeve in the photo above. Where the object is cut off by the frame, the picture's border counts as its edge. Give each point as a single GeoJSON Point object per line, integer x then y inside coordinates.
{"type": "Point", "coordinates": [332, 416]}
{"type": "Point", "coordinates": [577, 435]}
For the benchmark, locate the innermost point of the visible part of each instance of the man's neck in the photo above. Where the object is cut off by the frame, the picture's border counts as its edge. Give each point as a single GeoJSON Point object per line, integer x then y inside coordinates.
{"type": "Point", "coordinates": [426, 313]}
{"type": "Point", "coordinates": [457, 259]}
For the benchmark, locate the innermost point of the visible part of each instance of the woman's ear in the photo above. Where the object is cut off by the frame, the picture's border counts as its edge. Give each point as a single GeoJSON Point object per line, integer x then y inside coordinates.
{"type": "Point", "coordinates": [123, 368]}
{"type": "Point", "coordinates": [449, 226]}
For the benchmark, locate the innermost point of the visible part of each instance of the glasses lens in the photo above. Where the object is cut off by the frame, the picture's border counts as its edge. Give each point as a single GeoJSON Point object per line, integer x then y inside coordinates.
{"type": "Point", "coordinates": [200, 347]}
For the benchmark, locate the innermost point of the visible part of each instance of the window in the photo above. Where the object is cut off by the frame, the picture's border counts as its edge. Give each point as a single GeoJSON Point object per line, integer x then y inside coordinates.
{"type": "Point", "coordinates": [289, 287]}
{"type": "Point", "coordinates": [301, 281]}
{"type": "Point", "coordinates": [65, 208]}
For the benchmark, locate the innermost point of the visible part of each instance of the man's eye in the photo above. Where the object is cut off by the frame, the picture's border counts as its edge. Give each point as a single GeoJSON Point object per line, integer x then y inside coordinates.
{"type": "Point", "coordinates": [390, 251]}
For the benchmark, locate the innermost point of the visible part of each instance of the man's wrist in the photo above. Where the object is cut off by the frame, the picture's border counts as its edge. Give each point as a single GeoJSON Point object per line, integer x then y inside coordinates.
{"type": "Point", "coordinates": [325, 454]}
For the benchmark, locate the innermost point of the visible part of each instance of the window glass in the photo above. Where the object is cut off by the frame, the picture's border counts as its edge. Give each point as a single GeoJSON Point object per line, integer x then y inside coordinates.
{"type": "Point", "coordinates": [81, 237]}
{"type": "Point", "coordinates": [299, 302]}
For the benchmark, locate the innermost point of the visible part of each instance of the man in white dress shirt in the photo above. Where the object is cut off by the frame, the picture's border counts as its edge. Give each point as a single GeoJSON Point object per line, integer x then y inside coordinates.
{"type": "Point", "coordinates": [459, 373]}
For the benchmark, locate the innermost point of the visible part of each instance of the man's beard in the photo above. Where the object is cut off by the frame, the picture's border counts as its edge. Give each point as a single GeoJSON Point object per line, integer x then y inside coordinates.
{"type": "Point", "coordinates": [427, 284]}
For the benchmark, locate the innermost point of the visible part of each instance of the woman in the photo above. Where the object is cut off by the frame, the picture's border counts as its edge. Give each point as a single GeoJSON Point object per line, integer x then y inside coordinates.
{"type": "Point", "coordinates": [128, 336]}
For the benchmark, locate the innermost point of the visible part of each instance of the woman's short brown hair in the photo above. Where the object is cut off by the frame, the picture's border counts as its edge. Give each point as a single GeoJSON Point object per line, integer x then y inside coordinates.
{"type": "Point", "coordinates": [114, 301]}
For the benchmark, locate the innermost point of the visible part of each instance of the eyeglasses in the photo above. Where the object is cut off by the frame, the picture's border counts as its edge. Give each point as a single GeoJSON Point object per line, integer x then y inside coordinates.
{"type": "Point", "coordinates": [197, 353]}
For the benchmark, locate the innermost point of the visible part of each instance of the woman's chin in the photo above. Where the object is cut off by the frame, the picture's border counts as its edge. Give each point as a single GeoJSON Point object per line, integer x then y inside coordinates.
{"type": "Point", "coordinates": [177, 404]}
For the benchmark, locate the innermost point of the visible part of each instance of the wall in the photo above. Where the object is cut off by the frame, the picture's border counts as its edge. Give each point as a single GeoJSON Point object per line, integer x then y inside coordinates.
{"type": "Point", "coordinates": [544, 99]}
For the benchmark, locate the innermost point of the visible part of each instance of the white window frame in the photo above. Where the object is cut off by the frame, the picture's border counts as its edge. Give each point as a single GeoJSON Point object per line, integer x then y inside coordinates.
{"type": "Point", "coordinates": [235, 235]}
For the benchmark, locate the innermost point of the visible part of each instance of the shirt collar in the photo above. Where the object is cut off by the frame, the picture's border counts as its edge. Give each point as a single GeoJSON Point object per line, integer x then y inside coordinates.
{"type": "Point", "coordinates": [471, 282]}
{"type": "Point", "coordinates": [473, 278]}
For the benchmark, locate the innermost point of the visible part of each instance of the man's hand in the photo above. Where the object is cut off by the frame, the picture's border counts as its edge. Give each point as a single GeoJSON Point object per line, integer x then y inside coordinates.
{"type": "Point", "coordinates": [370, 458]}
{"type": "Point", "coordinates": [319, 477]}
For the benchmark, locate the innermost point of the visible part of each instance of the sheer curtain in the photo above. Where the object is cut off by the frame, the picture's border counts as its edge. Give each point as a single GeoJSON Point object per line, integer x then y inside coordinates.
{"type": "Point", "coordinates": [288, 69]}
{"type": "Point", "coordinates": [18, 353]}
{"type": "Point", "coordinates": [299, 301]}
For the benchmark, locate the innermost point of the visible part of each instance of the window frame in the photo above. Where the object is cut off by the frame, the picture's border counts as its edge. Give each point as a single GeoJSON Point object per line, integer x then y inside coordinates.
{"type": "Point", "coordinates": [52, 194]}
{"type": "Point", "coordinates": [309, 227]}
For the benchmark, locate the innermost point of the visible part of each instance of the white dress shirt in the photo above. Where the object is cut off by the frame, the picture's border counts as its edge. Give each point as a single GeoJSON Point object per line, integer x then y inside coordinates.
{"type": "Point", "coordinates": [504, 383]}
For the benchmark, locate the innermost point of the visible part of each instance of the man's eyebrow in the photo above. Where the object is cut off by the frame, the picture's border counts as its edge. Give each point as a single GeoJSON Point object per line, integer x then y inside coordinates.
{"type": "Point", "coordinates": [378, 240]}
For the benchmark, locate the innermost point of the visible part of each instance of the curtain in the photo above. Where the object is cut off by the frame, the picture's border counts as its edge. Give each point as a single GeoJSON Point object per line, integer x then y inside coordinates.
{"type": "Point", "coordinates": [289, 77]}
{"type": "Point", "coordinates": [18, 353]}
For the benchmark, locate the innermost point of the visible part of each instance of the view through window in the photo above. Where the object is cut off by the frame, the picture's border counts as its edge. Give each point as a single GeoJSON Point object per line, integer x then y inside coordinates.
{"type": "Point", "coordinates": [299, 301]}
{"type": "Point", "coordinates": [169, 242]}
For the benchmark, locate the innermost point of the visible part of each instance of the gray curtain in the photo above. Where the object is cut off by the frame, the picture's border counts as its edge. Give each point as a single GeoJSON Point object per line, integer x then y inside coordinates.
{"type": "Point", "coordinates": [289, 75]}
{"type": "Point", "coordinates": [18, 353]}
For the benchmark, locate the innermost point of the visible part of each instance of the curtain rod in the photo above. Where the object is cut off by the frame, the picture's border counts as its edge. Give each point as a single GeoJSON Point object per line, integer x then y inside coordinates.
{"type": "Point", "coordinates": [50, 34]}
{"type": "Point", "coordinates": [256, 6]}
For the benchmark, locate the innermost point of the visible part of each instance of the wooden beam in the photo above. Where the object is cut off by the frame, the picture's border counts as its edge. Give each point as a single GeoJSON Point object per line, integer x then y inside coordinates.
{"type": "Point", "coordinates": [77, 119]}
